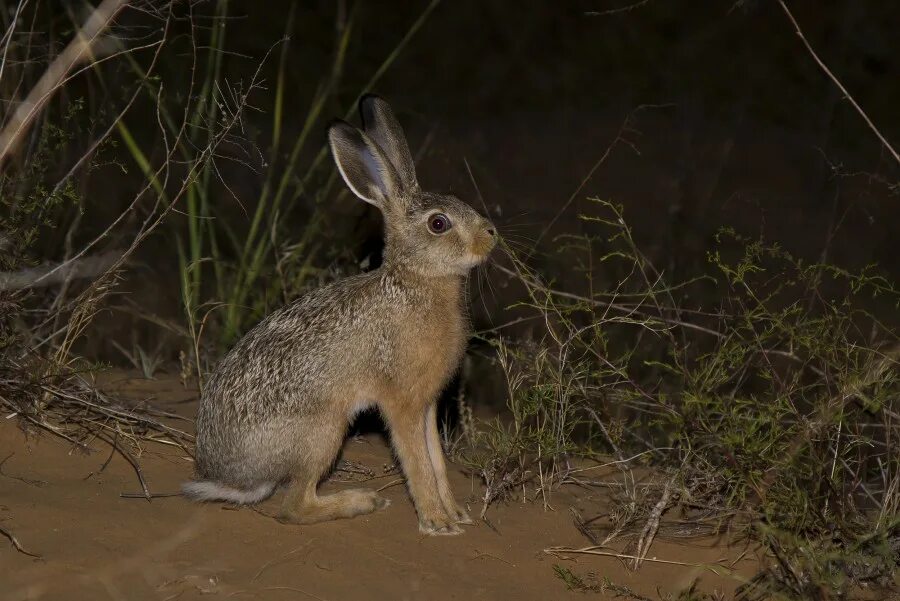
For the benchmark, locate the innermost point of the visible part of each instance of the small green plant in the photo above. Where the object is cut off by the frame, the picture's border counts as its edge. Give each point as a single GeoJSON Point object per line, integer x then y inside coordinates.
{"type": "Point", "coordinates": [590, 584]}
{"type": "Point", "coordinates": [141, 360]}
{"type": "Point", "coordinates": [573, 581]}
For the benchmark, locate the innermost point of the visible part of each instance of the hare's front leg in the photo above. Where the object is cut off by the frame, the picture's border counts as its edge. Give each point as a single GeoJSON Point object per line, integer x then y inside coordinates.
{"type": "Point", "coordinates": [436, 453]}
{"type": "Point", "coordinates": [408, 433]}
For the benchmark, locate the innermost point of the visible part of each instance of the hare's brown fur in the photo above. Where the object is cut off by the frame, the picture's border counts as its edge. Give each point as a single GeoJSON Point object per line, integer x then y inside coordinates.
{"type": "Point", "coordinates": [277, 407]}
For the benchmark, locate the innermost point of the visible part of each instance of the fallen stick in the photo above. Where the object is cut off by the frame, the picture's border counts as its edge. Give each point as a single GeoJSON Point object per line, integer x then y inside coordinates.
{"type": "Point", "coordinates": [821, 64]}
{"type": "Point", "coordinates": [76, 52]}
{"type": "Point", "coordinates": [52, 274]}
{"type": "Point", "coordinates": [652, 525]}
{"type": "Point", "coordinates": [562, 551]}
{"type": "Point", "coordinates": [15, 543]}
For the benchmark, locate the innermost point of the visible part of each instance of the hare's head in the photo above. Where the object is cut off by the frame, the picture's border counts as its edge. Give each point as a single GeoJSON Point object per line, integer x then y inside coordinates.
{"type": "Point", "coordinates": [434, 234]}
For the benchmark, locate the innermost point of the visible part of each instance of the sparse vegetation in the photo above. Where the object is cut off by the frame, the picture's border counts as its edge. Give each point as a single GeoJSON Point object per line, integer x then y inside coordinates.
{"type": "Point", "coordinates": [758, 395]}
{"type": "Point", "coordinates": [770, 407]}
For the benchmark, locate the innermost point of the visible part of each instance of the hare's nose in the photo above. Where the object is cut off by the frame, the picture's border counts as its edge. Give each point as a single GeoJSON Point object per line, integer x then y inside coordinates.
{"type": "Point", "coordinates": [490, 231]}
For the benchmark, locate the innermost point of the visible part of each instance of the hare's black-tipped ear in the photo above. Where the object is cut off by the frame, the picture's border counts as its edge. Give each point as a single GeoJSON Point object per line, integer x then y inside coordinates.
{"type": "Point", "coordinates": [362, 164]}
{"type": "Point", "coordinates": [382, 126]}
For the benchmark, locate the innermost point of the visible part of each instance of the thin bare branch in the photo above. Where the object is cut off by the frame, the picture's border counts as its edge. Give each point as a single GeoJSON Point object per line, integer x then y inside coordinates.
{"type": "Point", "coordinates": [837, 82]}
{"type": "Point", "coordinates": [78, 49]}
{"type": "Point", "coordinates": [86, 267]}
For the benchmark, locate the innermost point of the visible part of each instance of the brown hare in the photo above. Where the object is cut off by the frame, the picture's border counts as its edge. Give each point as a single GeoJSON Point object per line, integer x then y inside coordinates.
{"type": "Point", "coordinates": [278, 406]}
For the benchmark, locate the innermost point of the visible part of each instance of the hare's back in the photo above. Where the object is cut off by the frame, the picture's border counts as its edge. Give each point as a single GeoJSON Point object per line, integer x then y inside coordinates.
{"type": "Point", "coordinates": [297, 353]}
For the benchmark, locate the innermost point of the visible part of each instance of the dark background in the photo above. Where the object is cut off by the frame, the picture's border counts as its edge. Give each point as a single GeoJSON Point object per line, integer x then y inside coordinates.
{"type": "Point", "coordinates": [531, 95]}
{"type": "Point", "coordinates": [721, 115]}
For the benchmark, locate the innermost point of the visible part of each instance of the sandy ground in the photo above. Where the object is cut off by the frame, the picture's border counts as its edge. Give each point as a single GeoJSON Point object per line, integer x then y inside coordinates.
{"type": "Point", "coordinates": [94, 544]}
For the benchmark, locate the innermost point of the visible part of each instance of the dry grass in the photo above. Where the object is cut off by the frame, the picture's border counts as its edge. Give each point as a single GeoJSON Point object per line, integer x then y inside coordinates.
{"type": "Point", "coordinates": [47, 310]}
{"type": "Point", "coordinates": [766, 405]}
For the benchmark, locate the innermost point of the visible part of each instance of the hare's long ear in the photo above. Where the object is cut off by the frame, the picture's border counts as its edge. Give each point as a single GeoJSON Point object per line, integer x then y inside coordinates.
{"type": "Point", "coordinates": [363, 165]}
{"type": "Point", "coordinates": [382, 126]}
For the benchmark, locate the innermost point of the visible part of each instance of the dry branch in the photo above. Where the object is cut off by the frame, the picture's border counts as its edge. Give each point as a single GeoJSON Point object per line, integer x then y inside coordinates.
{"type": "Point", "coordinates": [562, 552]}
{"type": "Point", "coordinates": [15, 543]}
{"type": "Point", "coordinates": [652, 526]}
{"type": "Point", "coordinates": [35, 277]}
{"type": "Point", "coordinates": [838, 83]}
{"type": "Point", "coordinates": [76, 52]}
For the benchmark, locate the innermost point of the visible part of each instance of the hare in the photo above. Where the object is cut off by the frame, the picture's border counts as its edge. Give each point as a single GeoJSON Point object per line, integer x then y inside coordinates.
{"type": "Point", "coordinates": [278, 406]}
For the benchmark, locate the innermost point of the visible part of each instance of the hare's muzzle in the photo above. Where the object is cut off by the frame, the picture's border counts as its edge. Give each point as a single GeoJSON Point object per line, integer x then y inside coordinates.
{"type": "Point", "coordinates": [485, 240]}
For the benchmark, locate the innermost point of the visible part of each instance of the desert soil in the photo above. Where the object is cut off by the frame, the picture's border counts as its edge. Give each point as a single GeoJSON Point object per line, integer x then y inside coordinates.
{"type": "Point", "coordinates": [64, 506]}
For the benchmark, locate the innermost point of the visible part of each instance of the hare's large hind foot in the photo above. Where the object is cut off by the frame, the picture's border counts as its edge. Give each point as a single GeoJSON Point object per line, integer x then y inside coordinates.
{"type": "Point", "coordinates": [310, 509]}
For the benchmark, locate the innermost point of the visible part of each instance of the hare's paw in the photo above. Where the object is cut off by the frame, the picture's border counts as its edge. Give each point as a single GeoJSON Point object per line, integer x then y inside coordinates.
{"type": "Point", "coordinates": [438, 524]}
{"type": "Point", "coordinates": [290, 517]}
{"type": "Point", "coordinates": [460, 515]}
{"type": "Point", "coordinates": [455, 511]}
{"type": "Point", "coordinates": [349, 503]}
{"type": "Point", "coordinates": [370, 501]}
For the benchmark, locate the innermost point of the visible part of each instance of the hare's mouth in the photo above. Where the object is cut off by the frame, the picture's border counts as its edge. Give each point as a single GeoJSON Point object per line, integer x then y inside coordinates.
{"type": "Point", "coordinates": [474, 259]}
{"type": "Point", "coordinates": [482, 246]}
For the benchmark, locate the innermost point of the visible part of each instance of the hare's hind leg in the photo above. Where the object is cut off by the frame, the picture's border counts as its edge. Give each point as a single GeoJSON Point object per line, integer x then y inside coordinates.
{"type": "Point", "coordinates": [408, 433]}
{"type": "Point", "coordinates": [302, 505]}
{"type": "Point", "coordinates": [439, 465]}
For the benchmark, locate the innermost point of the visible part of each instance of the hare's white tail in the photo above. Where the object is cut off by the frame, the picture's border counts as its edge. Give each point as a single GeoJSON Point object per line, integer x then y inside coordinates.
{"type": "Point", "coordinates": [207, 490]}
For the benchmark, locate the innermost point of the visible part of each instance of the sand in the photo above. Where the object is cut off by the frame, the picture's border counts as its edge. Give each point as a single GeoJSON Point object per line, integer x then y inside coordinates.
{"type": "Point", "coordinates": [63, 505]}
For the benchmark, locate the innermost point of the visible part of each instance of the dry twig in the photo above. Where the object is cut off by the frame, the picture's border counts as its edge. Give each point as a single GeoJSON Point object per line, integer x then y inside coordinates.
{"type": "Point", "coordinates": [652, 525]}
{"type": "Point", "coordinates": [16, 544]}
{"type": "Point", "coordinates": [837, 82]}
{"type": "Point", "coordinates": [77, 51]}
{"type": "Point", "coordinates": [561, 552]}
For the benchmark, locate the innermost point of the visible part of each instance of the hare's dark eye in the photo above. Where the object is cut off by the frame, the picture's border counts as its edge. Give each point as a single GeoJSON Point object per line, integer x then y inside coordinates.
{"type": "Point", "coordinates": [438, 223]}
